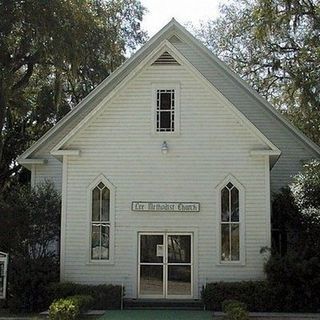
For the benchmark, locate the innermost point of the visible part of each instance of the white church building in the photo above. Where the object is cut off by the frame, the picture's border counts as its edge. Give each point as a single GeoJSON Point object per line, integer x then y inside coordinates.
{"type": "Point", "coordinates": [166, 172]}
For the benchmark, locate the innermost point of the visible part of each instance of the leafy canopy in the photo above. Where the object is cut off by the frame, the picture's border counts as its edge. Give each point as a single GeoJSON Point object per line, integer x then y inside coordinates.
{"type": "Point", "coordinates": [275, 46]}
{"type": "Point", "coordinates": [52, 54]}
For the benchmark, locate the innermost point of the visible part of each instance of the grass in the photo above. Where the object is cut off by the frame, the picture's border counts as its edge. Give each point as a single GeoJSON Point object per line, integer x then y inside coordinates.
{"type": "Point", "coordinates": [35, 316]}
{"type": "Point", "coordinates": [156, 315]}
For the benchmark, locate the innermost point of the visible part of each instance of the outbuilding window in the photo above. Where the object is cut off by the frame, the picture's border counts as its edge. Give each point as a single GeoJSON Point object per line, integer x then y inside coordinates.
{"type": "Point", "coordinates": [100, 223]}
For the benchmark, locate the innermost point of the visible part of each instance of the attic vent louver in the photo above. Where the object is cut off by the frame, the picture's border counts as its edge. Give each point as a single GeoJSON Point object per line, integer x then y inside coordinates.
{"type": "Point", "coordinates": [166, 58]}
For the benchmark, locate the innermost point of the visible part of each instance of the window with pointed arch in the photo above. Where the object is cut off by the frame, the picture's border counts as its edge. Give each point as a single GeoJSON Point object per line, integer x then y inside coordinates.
{"type": "Point", "coordinates": [100, 223]}
{"type": "Point", "coordinates": [230, 223]}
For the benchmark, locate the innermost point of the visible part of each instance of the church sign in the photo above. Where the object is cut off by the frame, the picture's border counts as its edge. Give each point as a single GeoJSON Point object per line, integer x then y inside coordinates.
{"type": "Point", "coordinates": [165, 206]}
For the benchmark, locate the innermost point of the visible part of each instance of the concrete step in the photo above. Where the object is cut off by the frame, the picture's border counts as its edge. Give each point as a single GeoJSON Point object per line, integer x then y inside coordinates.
{"type": "Point", "coordinates": [162, 304]}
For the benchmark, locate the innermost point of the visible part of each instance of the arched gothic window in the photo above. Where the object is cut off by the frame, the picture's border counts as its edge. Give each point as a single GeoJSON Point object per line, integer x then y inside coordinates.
{"type": "Point", "coordinates": [230, 223]}
{"type": "Point", "coordinates": [100, 223]}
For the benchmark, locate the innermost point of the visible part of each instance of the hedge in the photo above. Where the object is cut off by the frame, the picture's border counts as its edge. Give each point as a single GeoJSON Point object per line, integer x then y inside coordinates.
{"type": "Point", "coordinates": [70, 308]}
{"type": "Point", "coordinates": [255, 294]}
{"type": "Point", "coordinates": [104, 296]}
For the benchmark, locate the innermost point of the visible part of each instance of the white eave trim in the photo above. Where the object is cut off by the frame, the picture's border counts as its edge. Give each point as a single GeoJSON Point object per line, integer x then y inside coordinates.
{"type": "Point", "coordinates": [258, 153]}
{"type": "Point", "coordinates": [273, 155]}
{"type": "Point", "coordinates": [65, 152]}
{"type": "Point", "coordinates": [31, 161]}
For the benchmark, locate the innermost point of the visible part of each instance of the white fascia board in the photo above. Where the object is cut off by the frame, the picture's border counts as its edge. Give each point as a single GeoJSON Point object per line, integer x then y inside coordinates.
{"type": "Point", "coordinates": [65, 152]}
{"type": "Point", "coordinates": [31, 161]}
{"type": "Point", "coordinates": [273, 155]}
{"type": "Point", "coordinates": [262, 152]}
{"type": "Point", "coordinates": [248, 88]}
{"type": "Point", "coordinates": [97, 90]}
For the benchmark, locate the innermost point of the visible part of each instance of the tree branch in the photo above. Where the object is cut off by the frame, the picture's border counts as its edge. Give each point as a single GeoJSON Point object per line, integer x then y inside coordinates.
{"type": "Point", "coordinates": [23, 82]}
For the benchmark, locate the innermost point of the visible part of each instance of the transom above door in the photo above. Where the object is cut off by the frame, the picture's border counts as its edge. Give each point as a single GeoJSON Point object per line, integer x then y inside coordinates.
{"type": "Point", "coordinates": [165, 265]}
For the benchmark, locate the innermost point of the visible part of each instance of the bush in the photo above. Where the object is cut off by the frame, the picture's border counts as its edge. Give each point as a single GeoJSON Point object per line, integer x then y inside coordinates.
{"type": "Point", "coordinates": [256, 295]}
{"type": "Point", "coordinates": [33, 218]}
{"type": "Point", "coordinates": [29, 279]}
{"type": "Point", "coordinates": [295, 280]}
{"type": "Point", "coordinates": [104, 296]}
{"type": "Point", "coordinates": [235, 310]}
{"type": "Point", "coordinates": [227, 304]}
{"type": "Point", "coordinates": [293, 272]}
{"type": "Point", "coordinates": [63, 309]}
{"type": "Point", "coordinates": [70, 308]}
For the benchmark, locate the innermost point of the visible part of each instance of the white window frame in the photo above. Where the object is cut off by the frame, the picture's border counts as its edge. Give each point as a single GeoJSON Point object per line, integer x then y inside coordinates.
{"type": "Point", "coordinates": [241, 189]}
{"type": "Point", "coordinates": [112, 190]}
{"type": "Point", "coordinates": [165, 264]}
{"type": "Point", "coordinates": [166, 86]}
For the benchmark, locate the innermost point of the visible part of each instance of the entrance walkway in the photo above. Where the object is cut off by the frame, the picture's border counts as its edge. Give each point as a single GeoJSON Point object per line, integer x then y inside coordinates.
{"type": "Point", "coordinates": [156, 315]}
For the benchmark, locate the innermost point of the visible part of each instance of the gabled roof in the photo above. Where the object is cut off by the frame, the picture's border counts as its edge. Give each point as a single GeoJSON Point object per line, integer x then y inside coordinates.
{"type": "Point", "coordinates": [85, 107]}
{"type": "Point", "coordinates": [166, 46]}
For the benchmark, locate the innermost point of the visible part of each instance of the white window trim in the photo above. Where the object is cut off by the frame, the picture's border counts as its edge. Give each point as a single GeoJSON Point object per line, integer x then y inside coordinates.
{"type": "Point", "coordinates": [241, 189]}
{"type": "Point", "coordinates": [112, 189]}
{"type": "Point", "coordinates": [165, 86]}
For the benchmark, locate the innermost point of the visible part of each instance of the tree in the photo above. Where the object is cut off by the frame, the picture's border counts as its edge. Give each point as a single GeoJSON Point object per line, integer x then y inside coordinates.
{"type": "Point", "coordinates": [275, 46]}
{"type": "Point", "coordinates": [296, 212]}
{"type": "Point", "coordinates": [52, 54]}
{"type": "Point", "coordinates": [294, 274]}
{"type": "Point", "coordinates": [30, 232]}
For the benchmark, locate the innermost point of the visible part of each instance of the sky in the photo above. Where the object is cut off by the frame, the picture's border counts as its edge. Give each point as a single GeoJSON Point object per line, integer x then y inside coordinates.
{"type": "Point", "coordinates": [160, 12]}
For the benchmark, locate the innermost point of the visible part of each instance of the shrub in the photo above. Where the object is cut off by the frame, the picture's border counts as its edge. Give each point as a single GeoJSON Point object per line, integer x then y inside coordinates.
{"type": "Point", "coordinates": [70, 308]}
{"type": "Point", "coordinates": [28, 284]}
{"type": "Point", "coordinates": [235, 310]}
{"type": "Point", "coordinates": [33, 218]}
{"type": "Point", "coordinates": [293, 272]}
{"type": "Point", "coordinates": [85, 302]}
{"type": "Point", "coordinates": [104, 296]}
{"type": "Point", "coordinates": [227, 304]}
{"type": "Point", "coordinates": [256, 295]}
{"type": "Point", "coordinates": [63, 309]}
{"type": "Point", "coordinates": [295, 280]}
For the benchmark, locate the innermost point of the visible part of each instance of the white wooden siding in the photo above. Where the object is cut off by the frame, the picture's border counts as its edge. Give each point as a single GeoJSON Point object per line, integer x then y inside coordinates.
{"type": "Point", "coordinates": [51, 170]}
{"type": "Point", "coordinates": [118, 143]}
{"type": "Point", "coordinates": [293, 149]}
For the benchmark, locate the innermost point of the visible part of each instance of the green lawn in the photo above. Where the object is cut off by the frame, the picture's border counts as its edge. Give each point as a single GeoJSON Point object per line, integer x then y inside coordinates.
{"type": "Point", "coordinates": [156, 315]}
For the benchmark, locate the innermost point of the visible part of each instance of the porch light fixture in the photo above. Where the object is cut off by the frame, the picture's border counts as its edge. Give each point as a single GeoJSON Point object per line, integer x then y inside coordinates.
{"type": "Point", "coordinates": [164, 147]}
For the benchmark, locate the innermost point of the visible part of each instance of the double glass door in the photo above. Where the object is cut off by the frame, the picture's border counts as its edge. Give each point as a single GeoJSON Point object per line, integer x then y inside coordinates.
{"type": "Point", "coordinates": [165, 267]}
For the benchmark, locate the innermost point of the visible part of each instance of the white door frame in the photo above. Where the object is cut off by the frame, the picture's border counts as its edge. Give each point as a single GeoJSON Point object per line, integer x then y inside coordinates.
{"type": "Point", "coordinates": [165, 265]}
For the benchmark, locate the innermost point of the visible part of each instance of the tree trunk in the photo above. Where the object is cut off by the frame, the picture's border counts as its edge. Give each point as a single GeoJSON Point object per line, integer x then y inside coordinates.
{"type": "Point", "coordinates": [3, 106]}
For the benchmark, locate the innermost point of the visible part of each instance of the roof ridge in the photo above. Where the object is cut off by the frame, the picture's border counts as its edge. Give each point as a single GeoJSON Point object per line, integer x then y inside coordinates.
{"type": "Point", "coordinates": [175, 26]}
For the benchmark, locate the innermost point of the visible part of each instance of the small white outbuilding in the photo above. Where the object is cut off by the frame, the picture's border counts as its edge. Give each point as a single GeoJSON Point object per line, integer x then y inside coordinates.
{"type": "Point", "coordinates": [3, 274]}
{"type": "Point", "coordinates": [166, 171]}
